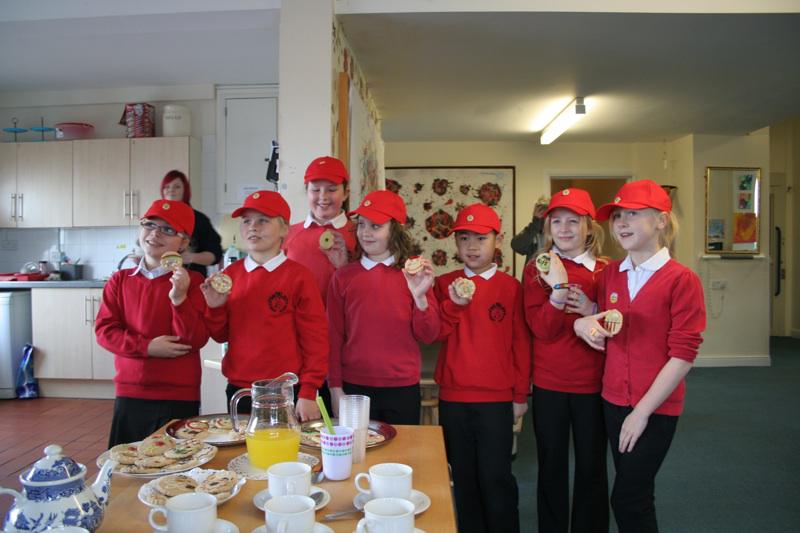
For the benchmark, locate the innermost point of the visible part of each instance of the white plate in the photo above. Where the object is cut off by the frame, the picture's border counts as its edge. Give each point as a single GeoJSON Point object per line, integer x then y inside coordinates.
{"type": "Point", "coordinates": [197, 474]}
{"type": "Point", "coordinates": [263, 496]}
{"type": "Point", "coordinates": [318, 528]}
{"type": "Point", "coordinates": [223, 526]}
{"type": "Point", "coordinates": [241, 465]}
{"type": "Point", "coordinates": [416, 530]}
{"type": "Point", "coordinates": [206, 453]}
{"type": "Point", "coordinates": [420, 500]}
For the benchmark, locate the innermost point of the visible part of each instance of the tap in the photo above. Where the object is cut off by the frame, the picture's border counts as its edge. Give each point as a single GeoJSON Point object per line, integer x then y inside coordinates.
{"type": "Point", "coordinates": [132, 256]}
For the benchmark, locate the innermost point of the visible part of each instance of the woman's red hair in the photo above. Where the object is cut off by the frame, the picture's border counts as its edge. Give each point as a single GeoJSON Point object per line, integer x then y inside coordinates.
{"type": "Point", "coordinates": [171, 176]}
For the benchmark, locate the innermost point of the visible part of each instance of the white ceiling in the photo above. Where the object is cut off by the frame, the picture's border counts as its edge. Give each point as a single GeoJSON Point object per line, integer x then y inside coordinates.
{"type": "Point", "coordinates": [649, 77]}
{"type": "Point", "coordinates": [438, 76]}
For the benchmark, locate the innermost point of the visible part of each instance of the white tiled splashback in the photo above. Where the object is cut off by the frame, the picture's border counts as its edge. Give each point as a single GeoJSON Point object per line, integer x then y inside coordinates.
{"type": "Point", "coordinates": [98, 249]}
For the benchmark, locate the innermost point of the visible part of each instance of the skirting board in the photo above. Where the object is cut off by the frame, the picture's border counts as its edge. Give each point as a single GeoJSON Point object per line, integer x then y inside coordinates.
{"type": "Point", "coordinates": [733, 360]}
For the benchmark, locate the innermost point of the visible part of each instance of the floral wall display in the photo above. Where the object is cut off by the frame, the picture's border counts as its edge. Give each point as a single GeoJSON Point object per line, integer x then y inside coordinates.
{"type": "Point", "coordinates": [433, 197]}
{"type": "Point", "coordinates": [364, 151]}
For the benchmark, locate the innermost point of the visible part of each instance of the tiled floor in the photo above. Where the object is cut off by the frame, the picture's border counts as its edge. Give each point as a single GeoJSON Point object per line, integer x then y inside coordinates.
{"type": "Point", "coordinates": [80, 427]}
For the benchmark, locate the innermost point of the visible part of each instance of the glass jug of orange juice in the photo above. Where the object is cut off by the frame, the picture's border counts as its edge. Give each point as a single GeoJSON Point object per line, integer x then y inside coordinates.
{"type": "Point", "coordinates": [272, 434]}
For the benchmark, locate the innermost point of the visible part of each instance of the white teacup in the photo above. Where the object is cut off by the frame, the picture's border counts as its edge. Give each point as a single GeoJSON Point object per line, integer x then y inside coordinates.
{"type": "Point", "coordinates": [194, 512]}
{"type": "Point", "coordinates": [290, 514]}
{"type": "Point", "coordinates": [387, 480]}
{"type": "Point", "coordinates": [387, 515]}
{"type": "Point", "coordinates": [292, 477]}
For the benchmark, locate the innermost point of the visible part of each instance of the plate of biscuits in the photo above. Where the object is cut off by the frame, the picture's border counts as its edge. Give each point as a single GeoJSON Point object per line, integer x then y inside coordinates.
{"type": "Point", "coordinates": [378, 433]}
{"type": "Point", "coordinates": [158, 455]}
{"type": "Point", "coordinates": [212, 429]}
{"type": "Point", "coordinates": [222, 484]}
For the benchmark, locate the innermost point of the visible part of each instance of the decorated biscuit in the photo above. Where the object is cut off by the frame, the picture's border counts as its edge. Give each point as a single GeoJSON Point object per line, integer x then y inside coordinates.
{"type": "Point", "coordinates": [221, 282]}
{"type": "Point", "coordinates": [464, 287]}
{"type": "Point", "coordinates": [613, 321]}
{"type": "Point", "coordinates": [176, 484]}
{"type": "Point", "coordinates": [171, 261]}
{"type": "Point", "coordinates": [326, 240]}
{"type": "Point", "coordinates": [185, 449]}
{"type": "Point", "coordinates": [414, 265]}
{"type": "Point", "coordinates": [219, 482]}
{"type": "Point", "coordinates": [543, 263]}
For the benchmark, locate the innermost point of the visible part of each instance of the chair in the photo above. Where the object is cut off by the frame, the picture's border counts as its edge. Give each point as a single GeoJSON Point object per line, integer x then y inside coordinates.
{"type": "Point", "coordinates": [429, 404]}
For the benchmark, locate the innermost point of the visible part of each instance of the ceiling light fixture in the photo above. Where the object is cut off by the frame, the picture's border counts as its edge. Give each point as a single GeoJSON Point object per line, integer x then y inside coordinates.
{"type": "Point", "coordinates": [571, 114]}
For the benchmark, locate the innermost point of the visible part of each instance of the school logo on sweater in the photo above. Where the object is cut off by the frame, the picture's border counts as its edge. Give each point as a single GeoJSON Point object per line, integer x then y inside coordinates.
{"type": "Point", "coordinates": [613, 297]}
{"type": "Point", "coordinates": [278, 302]}
{"type": "Point", "coordinates": [497, 312]}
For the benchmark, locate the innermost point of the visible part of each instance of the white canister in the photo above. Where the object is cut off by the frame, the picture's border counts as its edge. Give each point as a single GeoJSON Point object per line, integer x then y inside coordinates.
{"type": "Point", "coordinates": [177, 121]}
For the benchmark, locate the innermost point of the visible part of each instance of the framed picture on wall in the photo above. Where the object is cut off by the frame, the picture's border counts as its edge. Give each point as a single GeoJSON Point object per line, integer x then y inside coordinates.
{"type": "Point", "coordinates": [433, 197]}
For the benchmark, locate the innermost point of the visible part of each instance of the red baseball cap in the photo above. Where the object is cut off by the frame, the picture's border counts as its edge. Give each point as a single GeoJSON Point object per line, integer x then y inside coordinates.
{"type": "Point", "coordinates": [576, 200]}
{"type": "Point", "coordinates": [637, 195]}
{"type": "Point", "coordinates": [270, 203]}
{"type": "Point", "coordinates": [478, 218]}
{"type": "Point", "coordinates": [381, 206]}
{"type": "Point", "coordinates": [326, 168]}
{"type": "Point", "coordinates": [179, 215]}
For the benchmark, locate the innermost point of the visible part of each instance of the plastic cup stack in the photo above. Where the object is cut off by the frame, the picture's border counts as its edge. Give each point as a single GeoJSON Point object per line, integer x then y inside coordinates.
{"type": "Point", "coordinates": [354, 413]}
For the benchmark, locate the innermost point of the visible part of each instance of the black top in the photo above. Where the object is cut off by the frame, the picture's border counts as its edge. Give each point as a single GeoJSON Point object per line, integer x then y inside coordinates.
{"type": "Point", "coordinates": [204, 239]}
{"type": "Point", "coordinates": [527, 241]}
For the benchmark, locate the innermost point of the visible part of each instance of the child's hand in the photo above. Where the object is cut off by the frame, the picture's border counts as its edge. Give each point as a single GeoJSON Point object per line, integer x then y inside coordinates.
{"type": "Point", "coordinates": [167, 346]}
{"type": "Point", "coordinates": [519, 409]}
{"type": "Point", "coordinates": [337, 253]}
{"type": "Point", "coordinates": [458, 300]}
{"type": "Point", "coordinates": [213, 298]}
{"type": "Point", "coordinates": [589, 329]}
{"type": "Point", "coordinates": [420, 283]}
{"type": "Point", "coordinates": [180, 286]}
{"type": "Point", "coordinates": [578, 302]}
{"type": "Point", "coordinates": [306, 410]}
{"type": "Point", "coordinates": [632, 428]}
{"type": "Point", "coordinates": [336, 395]}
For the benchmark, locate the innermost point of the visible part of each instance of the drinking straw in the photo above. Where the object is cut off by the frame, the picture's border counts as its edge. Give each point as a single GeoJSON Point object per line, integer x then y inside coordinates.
{"type": "Point", "coordinates": [325, 416]}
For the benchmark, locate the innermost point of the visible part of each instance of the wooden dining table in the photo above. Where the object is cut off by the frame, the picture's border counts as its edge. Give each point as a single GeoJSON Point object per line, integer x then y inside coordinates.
{"type": "Point", "coordinates": [421, 447]}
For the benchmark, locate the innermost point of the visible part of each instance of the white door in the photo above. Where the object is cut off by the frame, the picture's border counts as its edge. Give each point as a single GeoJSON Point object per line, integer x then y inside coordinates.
{"type": "Point", "coordinates": [247, 126]}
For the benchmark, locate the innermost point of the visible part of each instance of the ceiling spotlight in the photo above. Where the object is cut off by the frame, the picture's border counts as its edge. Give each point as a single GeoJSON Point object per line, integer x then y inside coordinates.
{"type": "Point", "coordinates": [571, 114]}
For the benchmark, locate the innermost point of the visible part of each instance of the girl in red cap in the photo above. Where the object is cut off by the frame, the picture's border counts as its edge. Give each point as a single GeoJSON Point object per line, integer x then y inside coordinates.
{"type": "Point", "coordinates": [378, 312]}
{"type": "Point", "coordinates": [273, 318]}
{"type": "Point", "coordinates": [567, 374]}
{"type": "Point", "coordinates": [483, 374]}
{"type": "Point", "coordinates": [151, 319]}
{"type": "Point", "coordinates": [660, 307]}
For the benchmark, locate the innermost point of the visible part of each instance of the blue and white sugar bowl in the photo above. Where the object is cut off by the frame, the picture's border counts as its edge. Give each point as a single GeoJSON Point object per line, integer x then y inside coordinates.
{"type": "Point", "coordinates": [54, 493]}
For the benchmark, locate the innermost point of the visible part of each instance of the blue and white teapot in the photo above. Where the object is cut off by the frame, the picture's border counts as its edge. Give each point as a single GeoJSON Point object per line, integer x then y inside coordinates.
{"type": "Point", "coordinates": [55, 493]}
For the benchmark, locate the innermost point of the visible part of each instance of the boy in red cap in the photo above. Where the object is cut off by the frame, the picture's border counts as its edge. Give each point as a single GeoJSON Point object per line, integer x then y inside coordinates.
{"type": "Point", "coordinates": [374, 339]}
{"type": "Point", "coordinates": [663, 316]}
{"type": "Point", "coordinates": [567, 374]}
{"type": "Point", "coordinates": [273, 318]}
{"type": "Point", "coordinates": [483, 374]}
{"type": "Point", "coordinates": [151, 319]}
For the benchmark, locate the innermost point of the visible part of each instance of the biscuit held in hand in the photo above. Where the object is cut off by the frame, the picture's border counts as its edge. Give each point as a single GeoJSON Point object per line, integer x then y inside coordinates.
{"type": "Point", "coordinates": [464, 287]}
{"type": "Point", "coordinates": [221, 282]}
{"type": "Point", "coordinates": [171, 261]}
{"type": "Point", "coordinates": [326, 240]}
{"type": "Point", "coordinates": [414, 265]}
{"type": "Point", "coordinates": [543, 263]}
{"type": "Point", "coordinates": [613, 321]}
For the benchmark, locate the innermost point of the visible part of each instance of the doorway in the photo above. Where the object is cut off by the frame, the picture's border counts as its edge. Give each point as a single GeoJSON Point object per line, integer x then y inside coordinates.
{"type": "Point", "coordinates": [602, 190]}
{"type": "Point", "coordinates": [778, 247]}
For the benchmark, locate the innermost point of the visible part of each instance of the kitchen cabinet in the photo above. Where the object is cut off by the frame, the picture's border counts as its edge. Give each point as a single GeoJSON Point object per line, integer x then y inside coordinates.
{"type": "Point", "coordinates": [66, 347]}
{"type": "Point", "coordinates": [116, 180]}
{"type": "Point", "coordinates": [37, 187]}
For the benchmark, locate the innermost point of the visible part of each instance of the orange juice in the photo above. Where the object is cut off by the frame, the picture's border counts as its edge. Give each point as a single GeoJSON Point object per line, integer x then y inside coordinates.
{"type": "Point", "coordinates": [265, 447]}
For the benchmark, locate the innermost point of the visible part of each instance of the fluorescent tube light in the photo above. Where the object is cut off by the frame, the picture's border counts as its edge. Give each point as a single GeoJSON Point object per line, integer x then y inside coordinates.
{"type": "Point", "coordinates": [571, 114]}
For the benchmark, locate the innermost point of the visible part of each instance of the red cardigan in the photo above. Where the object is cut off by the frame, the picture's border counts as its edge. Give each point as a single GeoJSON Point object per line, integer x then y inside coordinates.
{"type": "Point", "coordinates": [375, 327]}
{"type": "Point", "coordinates": [486, 349]}
{"type": "Point", "coordinates": [302, 245]}
{"type": "Point", "coordinates": [665, 320]}
{"type": "Point", "coordinates": [561, 360]}
{"type": "Point", "coordinates": [135, 310]}
{"type": "Point", "coordinates": [273, 322]}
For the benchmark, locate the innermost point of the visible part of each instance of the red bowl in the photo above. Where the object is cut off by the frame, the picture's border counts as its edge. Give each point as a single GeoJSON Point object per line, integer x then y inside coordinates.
{"type": "Point", "coordinates": [68, 131]}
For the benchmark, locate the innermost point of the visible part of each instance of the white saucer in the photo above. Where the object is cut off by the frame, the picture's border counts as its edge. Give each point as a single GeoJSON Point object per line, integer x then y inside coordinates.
{"type": "Point", "coordinates": [416, 530]}
{"type": "Point", "coordinates": [223, 526]}
{"type": "Point", "coordinates": [318, 528]}
{"type": "Point", "coordinates": [420, 500]}
{"type": "Point", "coordinates": [263, 496]}
{"type": "Point", "coordinates": [241, 465]}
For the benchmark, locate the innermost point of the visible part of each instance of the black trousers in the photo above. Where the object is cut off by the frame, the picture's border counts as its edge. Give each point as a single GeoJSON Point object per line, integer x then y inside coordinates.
{"type": "Point", "coordinates": [393, 405]}
{"type": "Point", "coordinates": [135, 418]}
{"type": "Point", "coordinates": [555, 414]}
{"type": "Point", "coordinates": [633, 496]}
{"type": "Point", "coordinates": [478, 438]}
